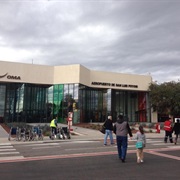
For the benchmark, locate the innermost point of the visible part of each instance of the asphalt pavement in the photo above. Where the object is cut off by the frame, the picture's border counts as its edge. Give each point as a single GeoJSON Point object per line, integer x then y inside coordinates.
{"type": "Point", "coordinates": [84, 160]}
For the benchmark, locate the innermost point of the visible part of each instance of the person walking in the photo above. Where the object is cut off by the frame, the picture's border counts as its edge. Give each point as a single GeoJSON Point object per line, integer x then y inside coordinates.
{"type": "Point", "coordinates": [108, 124]}
{"type": "Point", "coordinates": [176, 130]}
{"type": "Point", "coordinates": [53, 126]}
{"type": "Point", "coordinates": [122, 129]}
{"type": "Point", "coordinates": [140, 138]}
{"type": "Point", "coordinates": [168, 130]}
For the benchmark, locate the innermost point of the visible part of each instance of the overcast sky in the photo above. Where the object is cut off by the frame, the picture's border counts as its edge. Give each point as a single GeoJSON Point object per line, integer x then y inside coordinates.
{"type": "Point", "coordinates": [125, 36]}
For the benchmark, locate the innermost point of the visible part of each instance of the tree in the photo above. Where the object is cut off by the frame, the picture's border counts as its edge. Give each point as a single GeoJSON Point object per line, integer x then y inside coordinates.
{"type": "Point", "coordinates": [165, 98]}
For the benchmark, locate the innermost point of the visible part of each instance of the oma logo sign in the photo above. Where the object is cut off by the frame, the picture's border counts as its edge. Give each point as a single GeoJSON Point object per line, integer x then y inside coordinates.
{"type": "Point", "coordinates": [10, 77]}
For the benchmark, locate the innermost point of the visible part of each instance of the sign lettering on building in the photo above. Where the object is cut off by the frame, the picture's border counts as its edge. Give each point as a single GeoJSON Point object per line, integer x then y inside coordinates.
{"type": "Point", "coordinates": [114, 84]}
{"type": "Point", "coordinates": [10, 77]}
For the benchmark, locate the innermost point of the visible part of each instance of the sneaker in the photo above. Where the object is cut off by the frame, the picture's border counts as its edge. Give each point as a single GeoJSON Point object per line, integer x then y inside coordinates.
{"type": "Point", "coordinates": [138, 160]}
{"type": "Point", "coordinates": [142, 161]}
{"type": "Point", "coordinates": [123, 160]}
{"type": "Point", "coordinates": [105, 144]}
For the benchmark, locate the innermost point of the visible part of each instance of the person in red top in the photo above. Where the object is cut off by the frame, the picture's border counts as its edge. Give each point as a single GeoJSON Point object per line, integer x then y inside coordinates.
{"type": "Point", "coordinates": [168, 130]}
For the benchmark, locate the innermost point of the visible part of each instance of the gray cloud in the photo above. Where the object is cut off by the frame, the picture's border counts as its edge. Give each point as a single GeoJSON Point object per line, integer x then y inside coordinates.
{"type": "Point", "coordinates": [139, 37]}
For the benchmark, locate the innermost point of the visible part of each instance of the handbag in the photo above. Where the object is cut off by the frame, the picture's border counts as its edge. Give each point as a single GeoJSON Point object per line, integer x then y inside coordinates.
{"type": "Point", "coordinates": [114, 129]}
{"type": "Point", "coordinates": [139, 145]}
{"type": "Point", "coordinates": [102, 130]}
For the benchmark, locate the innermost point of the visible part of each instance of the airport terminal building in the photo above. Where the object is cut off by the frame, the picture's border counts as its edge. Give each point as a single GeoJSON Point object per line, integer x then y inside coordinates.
{"type": "Point", "coordinates": [36, 93]}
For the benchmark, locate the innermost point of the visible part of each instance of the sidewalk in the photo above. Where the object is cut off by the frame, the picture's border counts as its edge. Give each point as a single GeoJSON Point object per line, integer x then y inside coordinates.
{"type": "Point", "coordinates": [78, 133]}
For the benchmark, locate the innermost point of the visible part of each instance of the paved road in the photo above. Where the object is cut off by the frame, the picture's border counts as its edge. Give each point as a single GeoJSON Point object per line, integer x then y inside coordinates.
{"type": "Point", "coordinates": [67, 147]}
{"type": "Point", "coordinates": [89, 160]}
{"type": "Point", "coordinates": [85, 157]}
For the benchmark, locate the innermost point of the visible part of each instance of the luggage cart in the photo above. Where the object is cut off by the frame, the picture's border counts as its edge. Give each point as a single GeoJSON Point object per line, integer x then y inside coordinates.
{"type": "Point", "coordinates": [14, 134]}
{"type": "Point", "coordinates": [22, 134]}
{"type": "Point", "coordinates": [66, 132]}
{"type": "Point", "coordinates": [62, 133]}
{"type": "Point", "coordinates": [36, 134]}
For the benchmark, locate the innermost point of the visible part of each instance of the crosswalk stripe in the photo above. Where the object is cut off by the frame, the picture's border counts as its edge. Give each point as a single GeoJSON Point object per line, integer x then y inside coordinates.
{"type": "Point", "coordinates": [46, 144]}
{"type": "Point", "coordinates": [4, 147]}
{"type": "Point", "coordinates": [1, 153]}
{"type": "Point", "coordinates": [7, 152]}
{"type": "Point", "coordinates": [161, 144]}
{"type": "Point", "coordinates": [1, 150]}
{"type": "Point", "coordinates": [151, 141]}
{"type": "Point", "coordinates": [5, 144]}
{"type": "Point", "coordinates": [174, 147]}
{"type": "Point", "coordinates": [11, 158]}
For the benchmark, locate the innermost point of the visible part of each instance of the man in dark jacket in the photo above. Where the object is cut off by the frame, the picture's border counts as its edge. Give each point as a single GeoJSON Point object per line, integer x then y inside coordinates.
{"type": "Point", "coordinates": [108, 130]}
{"type": "Point", "coordinates": [122, 129]}
{"type": "Point", "coordinates": [176, 130]}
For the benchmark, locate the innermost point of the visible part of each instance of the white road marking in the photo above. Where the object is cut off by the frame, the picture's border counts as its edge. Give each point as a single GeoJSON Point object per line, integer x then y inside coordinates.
{"type": "Point", "coordinates": [1, 150]}
{"type": "Point", "coordinates": [1, 153]}
{"type": "Point", "coordinates": [161, 144]}
{"type": "Point", "coordinates": [5, 144]}
{"type": "Point", "coordinates": [4, 147]}
{"type": "Point", "coordinates": [174, 147]}
{"type": "Point", "coordinates": [59, 143]}
{"type": "Point", "coordinates": [45, 144]}
{"type": "Point", "coordinates": [7, 151]}
{"type": "Point", "coordinates": [74, 149]}
{"type": "Point", "coordinates": [44, 147]}
{"type": "Point", "coordinates": [154, 141]}
{"type": "Point", "coordinates": [131, 145]}
{"type": "Point", "coordinates": [11, 158]}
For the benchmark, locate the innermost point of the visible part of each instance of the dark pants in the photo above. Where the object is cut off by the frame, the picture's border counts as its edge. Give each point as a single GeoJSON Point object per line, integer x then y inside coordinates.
{"type": "Point", "coordinates": [54, 130]}
{"type": "Point", "coordinates": [122, 143]}
{"type": "Point", "coordinates": [176, 138]}
{"type": "Point", "coordinates": [168, 134]}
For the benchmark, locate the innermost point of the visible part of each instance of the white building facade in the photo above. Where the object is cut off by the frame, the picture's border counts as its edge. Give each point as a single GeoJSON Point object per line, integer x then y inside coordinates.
{"type": "Point", "coordinates": [36, 93]}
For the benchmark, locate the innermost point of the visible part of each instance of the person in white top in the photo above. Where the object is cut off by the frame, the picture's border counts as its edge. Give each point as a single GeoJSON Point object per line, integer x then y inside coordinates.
{"type": "Point", "coordinates": [140, 138]}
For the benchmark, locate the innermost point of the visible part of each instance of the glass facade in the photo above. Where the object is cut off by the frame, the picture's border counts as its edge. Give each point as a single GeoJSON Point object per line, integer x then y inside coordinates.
{"type": "Point", "coordinates": [131, 104]}
{"type": "Point", "coordinates": [2, 101]}
{"type": "Point", "coordinates": [23, 102]}
{"type": "Point", "coordinates": [39, 103]}
{"type": "Point", "coordinates": [97, 104]}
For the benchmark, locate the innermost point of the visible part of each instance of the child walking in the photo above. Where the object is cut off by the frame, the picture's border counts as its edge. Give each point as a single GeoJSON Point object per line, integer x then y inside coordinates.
{"type": "Point", "coordinates": [141, 141]}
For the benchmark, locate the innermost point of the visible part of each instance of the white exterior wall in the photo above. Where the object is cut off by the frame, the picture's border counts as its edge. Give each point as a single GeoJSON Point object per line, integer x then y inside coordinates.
{"type": "Point", "coordinates": [67, 74]}
{"type": "Point", "coordinates": [141, 81]}
{"type": "Point", "coordinates": [154, 117]}
{"type": "Point", "coordinates": [26, 73]}
{"type": "Point", "coordinates": [79, 74]}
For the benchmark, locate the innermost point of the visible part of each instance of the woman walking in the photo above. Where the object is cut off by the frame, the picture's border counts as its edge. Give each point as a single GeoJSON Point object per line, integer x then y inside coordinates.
{"type": "Point", "coordinates": [140, 144]}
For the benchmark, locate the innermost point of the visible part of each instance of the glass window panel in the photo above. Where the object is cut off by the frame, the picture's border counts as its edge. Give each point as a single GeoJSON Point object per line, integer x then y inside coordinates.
{"type": "Point", "coordinates": [76, 91]}
{"type": "Point", "coordinates": [71, 91]}
{"type": "Point", "coordinates": [2, 100]}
